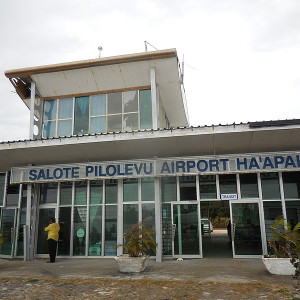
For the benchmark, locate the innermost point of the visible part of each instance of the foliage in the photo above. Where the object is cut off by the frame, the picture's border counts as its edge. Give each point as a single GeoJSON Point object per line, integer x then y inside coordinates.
{"type": "Point", "coordinates": [285, 241]}
{"type": "Point", "coordinates": [138, 240]}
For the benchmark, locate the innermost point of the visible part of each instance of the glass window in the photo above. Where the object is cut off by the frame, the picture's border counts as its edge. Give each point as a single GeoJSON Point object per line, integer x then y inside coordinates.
{"type": "Point", "coordinates": [272, 210]}
{"type": "Point", "coordinates": [114, 123]}
{"type": "Point", "coordinates": [111, 191]}
{"type": "Point", "coordinates": [50, 110]}
{"type": "Point", "coordinates": [249, 187]}
{"type": "Point", "coordinates": [208, 188]}
{"type": "Point", "coordinates": [98, 105]}
{"type": "Point", "coordinates": [111, 230]}
{"type": "Point", "coordinates": [148, 192]}
{"type": "Point", "coordinates": [81, 122]}
{"type": "Point", "coordinates": [66, 193]}
{"type": "Point", "coordinates": [12, 195]}
{"type": "Point", "coordinates": [114, 103]}
{"type": "Point", "coordinates": [48, 193]}
{"type": "Point", "coordinates": [79, 230]}
{"type": "Point", "coordinates": [49, 129]}
{"type": "Point", "coordinates": [167, 230]}
{"type": "Point", "coordinates": [292, 212]}
{"type": "Point", "coordinates": [80, 193]}
{"type": "Point", "coordinates": [130, 215]}
{"type": "Point", "coordinates": [148, 214]}
{"type": "Point", "coordinates": [145, 109]}
{"type": "Point", "coordinates": [291, 185]}
{"type": "Point", "coordinates": [96, 189]}
{"type": "Point", "coordinates": [64, 128]}
{"type": "Point", "coordinates": [98, 124]}
{"type": "Point", "coordinates": [130, 190]}
{"type": "Point", "coordinates": [65, 108]}
{"type": "Point", "coordinates": [2, 188]}
{"type": "Point", "coordinates": [95, 228]}
{"type": "Point", "coordinates": [20, 235]}
{"type": "Point", "coordinates": [130, 101]}
{"type": "Point", "coordinates": [168, 189]}
{"type": "Point", "coordinates": [65, 230]}
{"type": "Point", "coordinates": [187, 185]}
{"type": "Point", "coordinates": [130, 122]}
{"type": "Point", "coordinates": [227, 184]}
{"type": "Point", "coordinates": [270, 186]}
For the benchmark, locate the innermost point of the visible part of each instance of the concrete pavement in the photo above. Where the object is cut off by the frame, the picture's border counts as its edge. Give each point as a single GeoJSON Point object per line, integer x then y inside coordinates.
{"type": "Point", "coordinates": [206, 269]}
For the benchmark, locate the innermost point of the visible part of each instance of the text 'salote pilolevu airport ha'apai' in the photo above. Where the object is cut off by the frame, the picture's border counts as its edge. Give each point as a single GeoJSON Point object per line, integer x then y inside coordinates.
{"type": "Point", "coordinates": [110, 145]}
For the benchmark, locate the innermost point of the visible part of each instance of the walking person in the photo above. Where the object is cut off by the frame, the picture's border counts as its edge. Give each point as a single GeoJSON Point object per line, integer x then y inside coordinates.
{"type": "Point", "coordinates": [52, 239]}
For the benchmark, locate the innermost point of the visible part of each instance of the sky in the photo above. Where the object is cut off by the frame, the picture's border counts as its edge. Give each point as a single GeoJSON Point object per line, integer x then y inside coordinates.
{"type": "Point", "coordinates": [241, 57]}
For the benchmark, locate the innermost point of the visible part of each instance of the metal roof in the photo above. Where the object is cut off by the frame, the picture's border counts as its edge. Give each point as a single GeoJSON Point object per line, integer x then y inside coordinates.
{"type": "Point", "coordinates": [174, 142]}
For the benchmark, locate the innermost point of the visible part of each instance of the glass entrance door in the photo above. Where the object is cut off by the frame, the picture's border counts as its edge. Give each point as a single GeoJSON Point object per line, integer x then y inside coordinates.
{"type": "Point", "coordinates": [7, 229]}
{"type": "Point", "coordinates": [245, 230]}
{"type": "Point", "coordinates": [44, 217]}
{"type": "Point", "coordinates": [186, 230]}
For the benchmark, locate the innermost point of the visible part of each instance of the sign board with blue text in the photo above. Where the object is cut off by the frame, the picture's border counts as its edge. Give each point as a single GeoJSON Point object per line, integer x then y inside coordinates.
{"type": "Point", "coordinates": [243, 163]}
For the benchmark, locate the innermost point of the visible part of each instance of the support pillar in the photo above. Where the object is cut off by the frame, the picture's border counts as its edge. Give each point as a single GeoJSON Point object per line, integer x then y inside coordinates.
{"type": "Point", "coordinates": [158, 219]}
{"type": "Point", "coordinates": [154, 99]}
{"type": "Point", "coordinates": [32, 99]}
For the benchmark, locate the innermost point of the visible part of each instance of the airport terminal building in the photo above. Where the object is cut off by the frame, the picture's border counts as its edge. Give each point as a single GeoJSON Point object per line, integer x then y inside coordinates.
{"type": "Point", "coordinates": [110, 145]}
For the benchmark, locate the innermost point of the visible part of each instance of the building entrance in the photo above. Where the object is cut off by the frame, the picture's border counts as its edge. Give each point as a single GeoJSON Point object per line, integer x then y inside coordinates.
{"type": "Point", "coordinates": [215, 217]}
{"type": "Point", "coordinates": [8, 227]}
{"type": "Point", "coordinates": [186, 230]}
{"type": "Point", "coordinates": [246, 229]}
{"type": "Point", "coordinates": [231, 229]}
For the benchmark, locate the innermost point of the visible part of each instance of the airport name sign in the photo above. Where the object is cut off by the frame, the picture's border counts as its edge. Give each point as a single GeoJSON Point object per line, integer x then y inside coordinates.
{"type": "Point", "coordinates": [181, 166]}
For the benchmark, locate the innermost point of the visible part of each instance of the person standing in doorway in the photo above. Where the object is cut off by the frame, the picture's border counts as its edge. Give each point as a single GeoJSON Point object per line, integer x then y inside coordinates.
{"type": "Point", "coordinates": [52, 239]}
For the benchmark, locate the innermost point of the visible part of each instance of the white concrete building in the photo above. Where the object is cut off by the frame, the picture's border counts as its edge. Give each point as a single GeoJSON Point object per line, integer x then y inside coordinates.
{"type": "Point", "coordinates": [110, 145]}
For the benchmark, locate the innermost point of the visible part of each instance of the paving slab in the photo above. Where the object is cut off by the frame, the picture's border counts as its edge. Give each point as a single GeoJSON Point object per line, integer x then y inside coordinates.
{"type": "Point", "coordinates": [206, 269]}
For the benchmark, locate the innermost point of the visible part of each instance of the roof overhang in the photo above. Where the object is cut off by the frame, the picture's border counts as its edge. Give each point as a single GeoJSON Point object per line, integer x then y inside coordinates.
{"type": "Point", "coordinates": [231, 139]}
{"type": "Point", "coordinates": [110, 74]}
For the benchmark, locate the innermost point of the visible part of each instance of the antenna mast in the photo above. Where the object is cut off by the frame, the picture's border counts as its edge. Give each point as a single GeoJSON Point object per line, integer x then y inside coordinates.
{"type": "Point", "coordinates": [146, 48]}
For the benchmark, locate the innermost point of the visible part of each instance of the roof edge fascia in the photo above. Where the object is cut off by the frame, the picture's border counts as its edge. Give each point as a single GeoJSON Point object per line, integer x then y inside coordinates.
{"type": "Point", "coordinates": [128, 58]}
{"type": "Point", "coordinates": [122, 136]}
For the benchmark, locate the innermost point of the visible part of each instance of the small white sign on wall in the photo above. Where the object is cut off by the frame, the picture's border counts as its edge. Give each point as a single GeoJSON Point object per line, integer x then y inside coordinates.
{"type": "Point", "coordinates": [225, 197]}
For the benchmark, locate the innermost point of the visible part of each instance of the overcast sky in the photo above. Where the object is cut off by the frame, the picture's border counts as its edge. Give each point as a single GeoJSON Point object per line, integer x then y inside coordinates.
{"type": "Point", "coordinates": [242, 57]}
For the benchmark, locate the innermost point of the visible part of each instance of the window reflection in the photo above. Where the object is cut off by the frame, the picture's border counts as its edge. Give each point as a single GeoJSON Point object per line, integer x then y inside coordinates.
{"type": "Point", "coordinates": [79, 230]}
{"type": "Point", "coordinates": [187, 186]}
{"type": "Point", "coordinates": [249, 187]}
{"type": "Point", "coordinates": [111, 230]}
{"type": "Point", "coordinates": [95, 238]}
{"type": "Point", "coordinates": [228, 184]}
{"type": "Point", "coordinates": [208, 188]}
{"type": "Point", "coordinates": [270, 186]}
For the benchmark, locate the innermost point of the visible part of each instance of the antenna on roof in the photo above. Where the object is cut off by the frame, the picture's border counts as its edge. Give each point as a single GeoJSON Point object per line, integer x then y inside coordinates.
{"type": "Point", "coordinates": [100, 50]}
{"type": "Point", "coordinates": [146, 43]}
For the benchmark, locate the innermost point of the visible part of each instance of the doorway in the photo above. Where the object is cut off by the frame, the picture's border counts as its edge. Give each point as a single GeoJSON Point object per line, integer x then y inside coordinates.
{"type": "Point", "coordinates": [216, 237]}
{"type": "Point", "coordinates": [44, 216]}
{"type": "Point", "coordinates": [8, 227]}
{"type": "Point", "coordinates": [246, 229]}
{"type": "Point", "coordinates": [186, 230]}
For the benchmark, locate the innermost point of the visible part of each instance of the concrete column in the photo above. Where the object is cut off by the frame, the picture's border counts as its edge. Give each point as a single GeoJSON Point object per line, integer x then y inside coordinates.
{"type": "Point", "coordinates": [32, 99]}
{"type": "Point", "coordinates": [158, 220]}
{"type": "Point", "coordinates": [154, 99]}
{"type": "Point", "coordinates": [120, 217]}
{"type": "Point", "coordinates": [28, 223]}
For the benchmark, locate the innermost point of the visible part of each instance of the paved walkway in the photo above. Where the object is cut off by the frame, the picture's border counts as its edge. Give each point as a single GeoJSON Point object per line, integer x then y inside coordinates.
{"type": "Point", "coordinates": [207, 269]}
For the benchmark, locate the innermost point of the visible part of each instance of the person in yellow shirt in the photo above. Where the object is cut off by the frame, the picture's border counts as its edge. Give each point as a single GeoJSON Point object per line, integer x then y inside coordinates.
{"type": "Point", "coordinates": [52, 239]}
